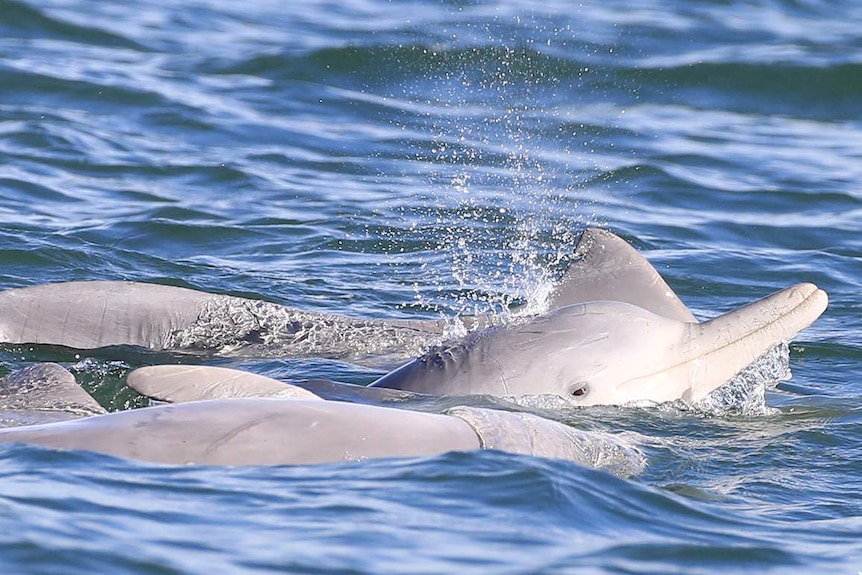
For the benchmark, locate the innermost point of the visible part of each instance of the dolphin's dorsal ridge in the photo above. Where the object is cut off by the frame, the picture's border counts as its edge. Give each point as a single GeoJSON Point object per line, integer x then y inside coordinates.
{"type": "Point", "coordinates": [608, 268]}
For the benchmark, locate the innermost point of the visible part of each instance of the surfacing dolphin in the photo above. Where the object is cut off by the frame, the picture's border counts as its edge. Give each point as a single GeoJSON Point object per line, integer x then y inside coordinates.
{"type": "Point", "coordinates": [297, 427]}
{"type": "Point", "coordinates": [632, 340]}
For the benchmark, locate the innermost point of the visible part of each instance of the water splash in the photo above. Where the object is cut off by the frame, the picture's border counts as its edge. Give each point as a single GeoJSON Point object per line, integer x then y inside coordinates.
{"type": "Point", "coordinates": [745, 394]}
{"type": "Point", "coordinates": [499, 216]}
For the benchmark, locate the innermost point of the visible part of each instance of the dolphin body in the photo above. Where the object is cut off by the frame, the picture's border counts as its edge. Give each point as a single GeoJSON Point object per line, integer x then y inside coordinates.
{"type": "Point", "coordinates": [43, 393]}
{"type": "Point", "coordinates": [96, 314]}
{"type": "Point", "coordinates": [289, 426]}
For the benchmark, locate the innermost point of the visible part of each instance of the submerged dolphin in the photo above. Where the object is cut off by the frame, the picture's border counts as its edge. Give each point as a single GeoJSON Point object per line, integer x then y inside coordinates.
{"type": "Point", "coordinates": [295, 428]}
{"type": "Point", "coordinates": [43, 393]}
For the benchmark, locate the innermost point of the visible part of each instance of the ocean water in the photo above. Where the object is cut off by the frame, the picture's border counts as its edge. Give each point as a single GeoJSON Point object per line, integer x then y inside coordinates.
{"type": "Point", "coordinates": [424, 159]}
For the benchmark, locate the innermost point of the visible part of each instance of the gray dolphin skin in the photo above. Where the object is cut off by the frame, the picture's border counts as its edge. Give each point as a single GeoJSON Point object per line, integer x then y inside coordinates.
{"type": "Point", "coordinates": [89, 315]}
{"type": "Point", "coordinates": [295, 428]}
{"type": "Point", "coordinates": [43, 393]}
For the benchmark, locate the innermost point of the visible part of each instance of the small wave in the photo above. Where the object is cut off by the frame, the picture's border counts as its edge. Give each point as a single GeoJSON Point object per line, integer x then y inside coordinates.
{"type": "Point", "coordinates": [22, 20]}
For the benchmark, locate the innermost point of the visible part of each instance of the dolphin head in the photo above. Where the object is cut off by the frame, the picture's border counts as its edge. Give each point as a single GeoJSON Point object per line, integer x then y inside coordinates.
{"type": "Point", "coordinates": [612, 352]}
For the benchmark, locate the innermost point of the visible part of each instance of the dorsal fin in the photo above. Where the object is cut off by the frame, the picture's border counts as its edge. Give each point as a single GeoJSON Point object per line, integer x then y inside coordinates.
{"type": "Point", "coordinates": [46, 387]}
{"type": "Point", "coordinates": [607, 268]}
{"type": "Point", "coordinates": [183, 383]}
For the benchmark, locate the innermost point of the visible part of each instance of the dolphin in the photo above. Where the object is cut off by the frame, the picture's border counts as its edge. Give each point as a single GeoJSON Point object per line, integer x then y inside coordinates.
{"type": "Point", "coordinates": [96, 314]}
{"type": "Point", "coordinates": [611, 352]}
{"type": "Point", "coordinates": [296, 427]}
{"type": "Point", "coordinates": [631, 340]}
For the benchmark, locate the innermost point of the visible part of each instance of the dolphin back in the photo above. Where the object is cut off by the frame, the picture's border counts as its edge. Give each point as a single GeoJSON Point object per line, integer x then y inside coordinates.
{"type": "Point", "coordinates": [255, 431]}
{"type": "Point", "coordinates": [87, 315]}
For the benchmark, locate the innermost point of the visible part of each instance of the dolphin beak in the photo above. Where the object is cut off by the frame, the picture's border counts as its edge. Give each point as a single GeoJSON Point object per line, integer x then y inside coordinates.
{"type": "Point", "coordinates": [722, 347]}
{"type": "Point", "coordinates": [712, 352]}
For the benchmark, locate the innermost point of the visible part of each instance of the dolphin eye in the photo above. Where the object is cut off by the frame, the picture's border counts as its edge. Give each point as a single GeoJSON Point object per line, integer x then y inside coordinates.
{"type": "Point", "coordinates": [579, 389]}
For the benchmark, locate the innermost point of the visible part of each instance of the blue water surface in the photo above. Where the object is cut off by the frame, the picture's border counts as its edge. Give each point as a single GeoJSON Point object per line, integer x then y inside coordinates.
{"type": "Point", "coordinates": [423, 159]}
